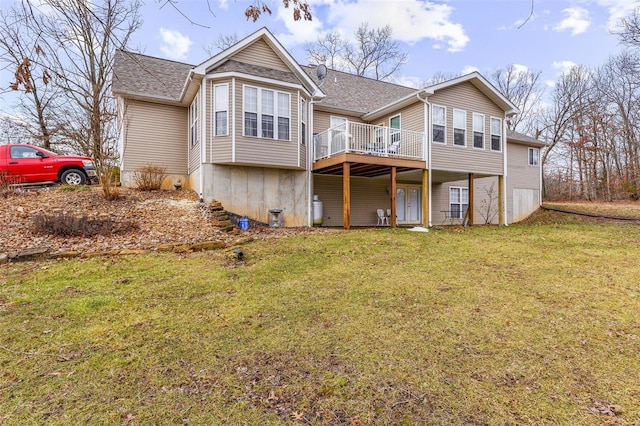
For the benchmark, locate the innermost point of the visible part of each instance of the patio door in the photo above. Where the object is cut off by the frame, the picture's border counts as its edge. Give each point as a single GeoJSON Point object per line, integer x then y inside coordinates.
{"type": "Point", "coordinates": [408, 205]}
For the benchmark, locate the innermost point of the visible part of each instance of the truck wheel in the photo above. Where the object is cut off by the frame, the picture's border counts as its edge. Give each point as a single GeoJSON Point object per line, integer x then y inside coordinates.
{"type": "Point", "coordinates": [73, 177]}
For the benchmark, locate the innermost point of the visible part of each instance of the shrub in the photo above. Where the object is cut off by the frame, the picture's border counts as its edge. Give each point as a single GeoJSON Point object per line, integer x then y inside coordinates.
{"type": "Point", "coordinates": [64, 224]}
{"type": "Point", "coordinates": [150, 177]}
{"type": "Point", "coordinates": [113, 174]}
{"type": "Point", "coordinates": [8, 184]}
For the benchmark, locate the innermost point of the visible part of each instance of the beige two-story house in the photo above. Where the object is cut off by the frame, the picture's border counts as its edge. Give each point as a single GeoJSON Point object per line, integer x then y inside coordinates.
{"type": "Point", "coordinates": [255, 130]}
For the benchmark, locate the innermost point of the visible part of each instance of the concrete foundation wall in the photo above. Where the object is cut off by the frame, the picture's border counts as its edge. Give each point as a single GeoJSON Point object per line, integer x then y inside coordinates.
{"type": "Point", "coordinates": [253, 191]}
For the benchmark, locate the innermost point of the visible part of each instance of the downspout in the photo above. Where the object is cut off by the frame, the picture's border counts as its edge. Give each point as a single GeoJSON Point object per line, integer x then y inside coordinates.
{"type": "Point", "coordinates": [203, 131]}
{"type": "Point", "coordinates": [311, 154]}
{"type": "Point", "coordinates": [428, 143]}
{"type": "Point", "coordinates": [505, 197]}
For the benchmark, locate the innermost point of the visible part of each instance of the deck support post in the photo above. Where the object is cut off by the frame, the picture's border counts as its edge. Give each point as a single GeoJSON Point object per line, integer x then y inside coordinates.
{"type": "Point", "coordinates": [346, 195]}
{"type": "Point", "coordinates": [425, 197]}
{"type": "Point", "coordinates": [501, 200]}
{"type": "Point", "coordinates": [392, 193]}
{"type": "Point", "coordinates": [471, 199]}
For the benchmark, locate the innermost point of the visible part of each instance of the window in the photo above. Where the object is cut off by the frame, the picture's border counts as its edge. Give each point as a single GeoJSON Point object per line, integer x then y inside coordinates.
{"type": "Point", "coordinates": [496, 134]}
{"type": "Point", "coordinates": [459, 127]}
{"type": "Point", "coordinates": [439, 120]}
{"type": "Point", "coordinates": [534, 156]}
{"type": "Point", "coordinates": [283, 116]}
{"type": "Point", "coordinates": [250, 104]}
{"type": "Point", "coordinates": [478, 131]}
{"type": "Point", "coordinates": [23, 152]}
{"type": "Point", "coordinates": [303, 122]}
{"type": "Point", "coordinates": [458, 202]}
{"type": "Point", "coordinates": [221, 107]}
{"type": "Point", "coordinates": [267, 113]}
{"type": "Point", "coordinates": [193, 120]}
{"type": "Point", "coordinates": [394, 125]}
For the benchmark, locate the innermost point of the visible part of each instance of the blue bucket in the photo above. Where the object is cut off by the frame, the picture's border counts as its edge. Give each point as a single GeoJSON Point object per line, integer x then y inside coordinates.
{"type": "Point", "coordinates": [243, 223]}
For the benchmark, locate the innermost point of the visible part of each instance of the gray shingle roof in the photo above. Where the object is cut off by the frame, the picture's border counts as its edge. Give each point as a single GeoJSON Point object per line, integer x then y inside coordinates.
{"type": "Point", "coordinates": [359, 94]}
{"type": "Point", "coordinates": [141, 75]}
{"type": "Point", "coordinates": [258, 71]}
{"type": "Point", "coordinates": [524, 139]}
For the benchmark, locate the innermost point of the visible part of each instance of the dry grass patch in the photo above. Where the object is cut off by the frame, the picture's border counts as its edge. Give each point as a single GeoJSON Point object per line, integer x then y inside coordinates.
{"type": "Point", "coordinates": [517, 325]}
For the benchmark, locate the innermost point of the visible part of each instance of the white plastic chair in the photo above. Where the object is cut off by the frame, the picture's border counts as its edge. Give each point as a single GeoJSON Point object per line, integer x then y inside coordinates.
{"type": "Point", "coordinates": [382, 218]}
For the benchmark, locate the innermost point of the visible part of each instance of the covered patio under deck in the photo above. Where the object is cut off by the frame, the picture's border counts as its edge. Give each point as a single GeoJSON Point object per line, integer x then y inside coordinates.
{"type": "Point", "coordinates": [350, 165]}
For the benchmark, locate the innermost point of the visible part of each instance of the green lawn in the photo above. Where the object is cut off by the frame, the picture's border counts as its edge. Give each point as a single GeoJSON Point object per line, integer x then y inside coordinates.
{"type": "Point", "coordinates": [489, 325]}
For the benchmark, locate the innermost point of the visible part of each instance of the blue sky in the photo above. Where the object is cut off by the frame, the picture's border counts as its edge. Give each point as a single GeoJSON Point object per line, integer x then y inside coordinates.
{"type": "Point", "coordinates": [440, 36]}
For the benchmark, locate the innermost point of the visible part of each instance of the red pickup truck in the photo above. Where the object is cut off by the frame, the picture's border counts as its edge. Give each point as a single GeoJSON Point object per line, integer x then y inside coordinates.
{"type": "Point", "coordinates": [32, 164]}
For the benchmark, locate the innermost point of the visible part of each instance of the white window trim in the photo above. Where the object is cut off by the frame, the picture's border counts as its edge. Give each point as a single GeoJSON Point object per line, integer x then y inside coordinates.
{"type": "Point", "coordinates": [473, 131]}
{"type": "Point", "coordinates": [433, 123]}
{"type": "Point", "coordinates": [461, 188]}
{"type": "Point", "coordinates": [537, 162]}
{"type": "Point", "coordinates": [491, 134]}
{"type": "Point", "coordinates": [259, 113]}
{"type": "Point", "coordinates": [463, 128]}
{"type": "Point", "coordinates": [303, 120]}
{"type": "Point", "coordinates": [215, 96]}
{"type": "Point", "coordinates": [194, 120]}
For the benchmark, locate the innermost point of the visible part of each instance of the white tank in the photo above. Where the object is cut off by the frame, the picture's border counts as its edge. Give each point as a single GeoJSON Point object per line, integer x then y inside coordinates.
{"type": "Point", "coordinates": [318, 214]}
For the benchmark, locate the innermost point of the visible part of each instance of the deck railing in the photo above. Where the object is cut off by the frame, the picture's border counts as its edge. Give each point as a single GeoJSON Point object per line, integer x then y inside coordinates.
{"type": "Point", "coordinates": [367, 139]}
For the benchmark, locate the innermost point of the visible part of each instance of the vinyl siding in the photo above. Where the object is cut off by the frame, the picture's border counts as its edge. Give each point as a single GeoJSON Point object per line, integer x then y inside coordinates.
{"type": "Point", "coordinates": [367, 195]}
{"type": "Point", "coordinates": [259, 53]}
{"type": "Point", "coordinates": [322, 120]}
{"type": "Point", "coordinates": [411, 118]}
{"type": "Point", "coordinates": [155, 134]}
{"type": "Point", "coordinates": [523, 183]}
{"type": "Point", "coordinates": [263, 151]}
{"type": "Point", "coordinates": [466, 97]}
{"type": "Point", "coordinates": [220, 147]}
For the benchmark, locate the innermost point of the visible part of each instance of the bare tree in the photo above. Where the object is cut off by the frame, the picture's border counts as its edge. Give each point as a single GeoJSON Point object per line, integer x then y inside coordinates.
{"type": "Point", "coordinates": [224, 41]}
{"type": "Point", "coordinates": [523, 88]}
{"type": "Point", "coordinates": [82, 40]}
{"type": "Point", "coordinates": [328, 50]}
{"type": "Point", "coordinates": [21, 48]}
{"type": "Point", "coordinates": [630, 32]}
{"type": "Point", "coordinates": [373, 52]}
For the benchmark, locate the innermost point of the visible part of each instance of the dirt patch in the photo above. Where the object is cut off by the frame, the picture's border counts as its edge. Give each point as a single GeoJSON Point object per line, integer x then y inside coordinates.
{"type": "Point", "coordinates": [161, 217]}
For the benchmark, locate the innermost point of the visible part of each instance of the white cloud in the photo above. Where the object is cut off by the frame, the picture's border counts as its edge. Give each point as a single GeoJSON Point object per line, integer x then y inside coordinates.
{"type": "Point", "coordinates": [563, 67]}
{"type": "Point", "coordinates": [299, 32]}
{"type": "Point", "coordinates": [411, 20]}
{"type": "Point", "coordinates": [174, 44]}
{"type": "Point", "coordinates": [577, 20]}
{"type": "Point", "coordinates": [223, 4]}
{"type": "Point", "coordinates": [617, 9]}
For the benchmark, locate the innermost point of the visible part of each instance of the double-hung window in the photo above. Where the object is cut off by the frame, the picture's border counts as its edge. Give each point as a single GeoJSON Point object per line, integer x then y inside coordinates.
{"type": "Point", "coordinates": [193, 120]}
{"type": "Point", "coordinates": [284, 115]}
{"type": "Point", "coordinates": [534, 156]}
{"type": "Point", "coordinates": [267, 113]}
{"type": "Point", "coordinates": [250, 105]}
{"type": "Point", "coordinates": [221, 109]}
{"type": "Point", "coordinates": [496, 134]}
{"type": "Point", "coordinates": [459, 127]}
{"type": "Point", "coordinates": [478, 130]}
{"type": "Point", "coordinates": [458, 202]}
{"type": "Point", "coordinates": [303, 121]}
{"type": "Point", "coordinates": [439, 123]}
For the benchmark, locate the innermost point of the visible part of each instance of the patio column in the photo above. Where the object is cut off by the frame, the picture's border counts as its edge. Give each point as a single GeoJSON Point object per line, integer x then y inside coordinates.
{"type": "Point", "coordinates": [392, 193]}
{"type": "Point", "coordinates": [346, 195]}
{"type": "Point", "coordinates": [425, 197]}
{"type": "Point", "coordinates": [471, 199]}
{"type": "Point", "coordinates": [501, 200]}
